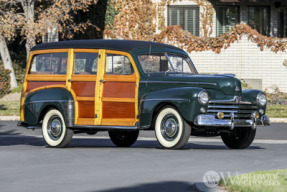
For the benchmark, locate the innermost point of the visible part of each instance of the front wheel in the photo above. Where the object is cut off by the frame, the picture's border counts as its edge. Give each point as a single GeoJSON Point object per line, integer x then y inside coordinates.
{"type": "Point", "coordinates": [123, 138]}
{"type": "Point", "coordinates": [240, 139]}
{"type": "Point", "coordinates": [54, 129]}
{"type": "Point", "coordinates": [171, 130]}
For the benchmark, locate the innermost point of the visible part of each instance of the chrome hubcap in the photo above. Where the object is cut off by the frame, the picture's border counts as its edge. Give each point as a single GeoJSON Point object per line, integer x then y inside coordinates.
{"type": "Point", "coordinates": [55, 128]}
{"type": "Point", "coordinates": [169, 127]}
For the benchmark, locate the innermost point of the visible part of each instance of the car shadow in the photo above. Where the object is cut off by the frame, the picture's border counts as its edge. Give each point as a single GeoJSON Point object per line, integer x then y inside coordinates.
{"type": "Point", "coordinates": [167, 186]}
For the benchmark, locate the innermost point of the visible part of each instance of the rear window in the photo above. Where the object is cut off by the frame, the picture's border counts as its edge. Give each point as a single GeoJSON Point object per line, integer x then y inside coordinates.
{"type": "Point", "coordinates": [50, 63]}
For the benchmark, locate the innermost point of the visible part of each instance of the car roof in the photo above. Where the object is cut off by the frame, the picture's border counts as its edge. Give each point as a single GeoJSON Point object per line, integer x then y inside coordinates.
{"type": "Point", "coordinates": [120, 45]}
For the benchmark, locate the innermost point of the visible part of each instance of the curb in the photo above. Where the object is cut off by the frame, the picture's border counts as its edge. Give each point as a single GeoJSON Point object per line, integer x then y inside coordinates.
{"type": "Point", "coordinates": [9, 118]}
{"type": "Point", "coordinates": [17, 118]}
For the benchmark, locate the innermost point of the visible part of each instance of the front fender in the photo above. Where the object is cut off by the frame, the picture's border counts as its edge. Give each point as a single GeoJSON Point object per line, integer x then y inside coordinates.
{"type": "Point", "coordinates": [39, 101]}
{"type": "Point", "coordinates": [185, 99]}
{"type": "Point", "coordinates": [250, 95]}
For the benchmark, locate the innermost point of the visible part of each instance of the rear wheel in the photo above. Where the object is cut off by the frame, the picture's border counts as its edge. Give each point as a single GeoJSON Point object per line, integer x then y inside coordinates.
{"type": "Point", "coordinates": [240, 139]}
{"type": "Point", "coordinates": [123, 138]}
{"type": "Point", "coordinates": [171, 130]}
{"type": "Point", "coordinates": [54, 129]}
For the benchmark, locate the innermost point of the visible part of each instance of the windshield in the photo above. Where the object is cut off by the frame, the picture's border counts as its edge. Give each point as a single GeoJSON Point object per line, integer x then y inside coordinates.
{"type": "Point", "coordinates": [166, 63]}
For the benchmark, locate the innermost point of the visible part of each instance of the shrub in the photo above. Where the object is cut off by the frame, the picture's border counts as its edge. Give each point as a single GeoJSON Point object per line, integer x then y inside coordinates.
{"type": "Point", "coordinates": [4, 81]}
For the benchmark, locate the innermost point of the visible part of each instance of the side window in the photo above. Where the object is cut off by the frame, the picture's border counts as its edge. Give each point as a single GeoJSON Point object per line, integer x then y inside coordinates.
{"type": "Point", "coordinates": [118, 65]}
{"type": "Point", "coordinates": [179, 64]}
{"type": "Point", "coordinates": [50, 63]}
{"type": "Point", "coordinates": [86, 63]}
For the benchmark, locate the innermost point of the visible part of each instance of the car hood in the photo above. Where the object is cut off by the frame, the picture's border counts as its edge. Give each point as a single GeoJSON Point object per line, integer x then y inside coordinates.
{"type": "Point", "coordinates": [223, 83]}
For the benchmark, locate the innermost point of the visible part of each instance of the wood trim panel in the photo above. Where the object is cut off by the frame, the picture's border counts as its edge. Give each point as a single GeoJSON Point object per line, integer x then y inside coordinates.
{"type": "Point", "coordinates": [118, 110]}
{"type": "Point", "coordinates": [86, 109]}
{"type": "Point", "coordinates": [85, 98]}
{"type": "Point", "coordinates": [85, 121]}
{"type": "Point", "coordinates": [84, 77]}
{"type": "Point", "coordinates": [86, 50]}
{"type": "Point", "coordinates": [31, 85]}
{"type": "Point", "coordinates": [125, 100]}
{"type": "Point", "coordinates": [32, 77]}
{"type": "Point", "coordinates": [84, 89]}
{"type": "Point", "coordinates": [120, 78]}
{"type": "Point", "coordinates": [117, 122]}
{"type": "Point", "coordinates": [119, 89]}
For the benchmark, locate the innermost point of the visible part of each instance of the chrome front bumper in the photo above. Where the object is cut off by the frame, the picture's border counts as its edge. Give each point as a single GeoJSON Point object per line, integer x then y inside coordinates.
{"type": "Point", "coordinates": [211, 121]}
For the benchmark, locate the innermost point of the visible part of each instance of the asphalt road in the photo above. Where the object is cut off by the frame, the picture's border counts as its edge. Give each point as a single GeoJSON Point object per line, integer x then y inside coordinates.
{"type": "Point", "coordinates": [93, 163]}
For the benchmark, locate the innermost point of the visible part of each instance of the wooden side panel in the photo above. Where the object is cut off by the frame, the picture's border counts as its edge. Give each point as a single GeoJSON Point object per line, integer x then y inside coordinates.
{"type": "Point", "coordinates": [119, 89]}
{"type": "Point", "coordinates": [86, 109]}
{"type": "Point", "coordinates": [84, 89]}
{"type": "Point", "coordinates": [118, 110]}
{"type": "Point", "coordinates": [35, 84]}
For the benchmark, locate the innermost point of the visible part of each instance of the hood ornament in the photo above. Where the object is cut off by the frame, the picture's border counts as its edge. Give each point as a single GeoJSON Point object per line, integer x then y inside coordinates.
{"type": "Point", "coordinates": [237, 99]}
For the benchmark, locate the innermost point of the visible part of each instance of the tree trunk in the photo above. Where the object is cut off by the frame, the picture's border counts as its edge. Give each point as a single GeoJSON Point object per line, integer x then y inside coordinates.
{"type": "Point", "coordinates": [5, 55]}
{"type": "Point", "coordinates": [28, 7]}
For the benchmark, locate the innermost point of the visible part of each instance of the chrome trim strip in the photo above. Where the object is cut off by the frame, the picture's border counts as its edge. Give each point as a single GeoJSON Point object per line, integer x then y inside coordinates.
{"type": "Point", "coordinates": [179, 82]}
{"type": "Point", "coordinates": [61, 101]}
{"type": "Point", "coordinates": [105, 127]}
{"type": "Point", "coordinates": [165, 99]}
{"type": "Point", "coordinates": [211, 121]}
{"type": "Point", "coordinates": [236, 99]}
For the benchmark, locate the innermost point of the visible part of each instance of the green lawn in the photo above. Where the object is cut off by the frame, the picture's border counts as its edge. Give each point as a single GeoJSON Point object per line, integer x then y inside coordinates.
{"type": "Point", "coordinates": [263, 181]}
{"type": "Point", "coordinates": [277, 111]}
{"type": "Point", "coordinates": [9, 108]}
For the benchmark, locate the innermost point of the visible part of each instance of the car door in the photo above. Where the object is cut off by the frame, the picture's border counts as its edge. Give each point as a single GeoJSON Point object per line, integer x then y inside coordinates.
{"type": "Point", "coordinates": [118, 89]}
{"type": "Point", "coordinates": [83, 80]}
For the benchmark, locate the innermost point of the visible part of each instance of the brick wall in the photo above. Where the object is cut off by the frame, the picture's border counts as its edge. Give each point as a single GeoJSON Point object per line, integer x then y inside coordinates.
{"type": "Point", "coordinates": [245, 59]}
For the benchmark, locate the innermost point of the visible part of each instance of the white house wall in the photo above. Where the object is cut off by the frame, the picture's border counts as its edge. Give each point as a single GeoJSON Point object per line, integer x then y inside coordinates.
{"type": "Point", "coordinates": [245, 59]}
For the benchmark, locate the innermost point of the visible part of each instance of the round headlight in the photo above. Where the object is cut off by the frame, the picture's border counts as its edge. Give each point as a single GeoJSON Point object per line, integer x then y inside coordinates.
{"type": "Point", "coordinates": [261, 99]}
{"type": "Point", "coordinates": [203, 97]}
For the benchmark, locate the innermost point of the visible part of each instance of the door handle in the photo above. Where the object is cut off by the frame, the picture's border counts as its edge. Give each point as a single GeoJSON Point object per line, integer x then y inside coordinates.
{"type": "Point", "coordinates": [102, 80]}
{"type": "Point", "coordinates": [70, 80]}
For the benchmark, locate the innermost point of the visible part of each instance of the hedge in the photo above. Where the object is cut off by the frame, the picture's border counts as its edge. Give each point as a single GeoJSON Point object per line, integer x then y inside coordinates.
{"type": "Point", "coordinates": [4, 81]}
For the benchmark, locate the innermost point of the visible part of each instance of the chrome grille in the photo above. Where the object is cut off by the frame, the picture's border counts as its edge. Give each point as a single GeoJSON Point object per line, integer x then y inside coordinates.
{"type": "Point", "coordinates": [241, 110]}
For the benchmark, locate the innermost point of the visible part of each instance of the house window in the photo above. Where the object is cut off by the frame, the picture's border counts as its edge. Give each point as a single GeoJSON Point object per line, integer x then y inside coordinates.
{"type": "Point", "coordinates": [185, 17]}
{"type": "Point", "coordinates": [259, 19]}
{"type": "Point", "coordinates": [226, 18]}
{"type": "Point", "coordinates": [282, 22]}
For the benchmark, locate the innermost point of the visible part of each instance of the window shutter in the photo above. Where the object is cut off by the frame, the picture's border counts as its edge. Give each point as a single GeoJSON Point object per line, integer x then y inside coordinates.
{"type": "Point", "coordinates": [186, 17]}
{"type": "Point", "coordinates": [176, 16]}
{"type": "Point", "coordinates": [192, 20]}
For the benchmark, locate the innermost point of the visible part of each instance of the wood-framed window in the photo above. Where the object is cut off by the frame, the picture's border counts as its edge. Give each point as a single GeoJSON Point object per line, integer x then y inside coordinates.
{"type": "Point", "coordinates": [259, 19]}
{"type": "Point", "coordinates": [226, 18]}
{"type": "Point", "coordinates": [185, 16]}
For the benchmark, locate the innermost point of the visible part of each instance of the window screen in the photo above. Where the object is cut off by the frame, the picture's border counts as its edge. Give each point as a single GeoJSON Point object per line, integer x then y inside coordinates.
{"type": "Point", "coordinates": [259, 19]}
{"type": "Point", "coordinates": [226, 18]}
{"type": "Point", "coordinates": [282, 22]}
{"type": "Point", "coordinates": [86, 63]}
{"type": "Point", "coordinates": [186, 17]}
{"type": "Point", "coordinates": [51, 63]}
{"type": "Point", "coordinates": [118, 64]}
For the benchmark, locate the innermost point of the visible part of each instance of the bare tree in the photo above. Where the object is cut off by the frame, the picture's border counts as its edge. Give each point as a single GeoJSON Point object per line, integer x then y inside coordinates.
{"type": "Point", "coordinates": [33, 22]}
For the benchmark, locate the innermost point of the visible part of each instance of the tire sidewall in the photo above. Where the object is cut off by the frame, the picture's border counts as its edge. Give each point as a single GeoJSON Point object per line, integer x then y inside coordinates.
{"type": "Point", "coordinates": [50, 141]}
{"type": "Point", "coordinates": [165, 143]}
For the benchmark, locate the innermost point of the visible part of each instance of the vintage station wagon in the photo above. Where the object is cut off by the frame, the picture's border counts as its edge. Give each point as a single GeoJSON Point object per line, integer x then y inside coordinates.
{"type": "Point", "coordinates": [122, 86]}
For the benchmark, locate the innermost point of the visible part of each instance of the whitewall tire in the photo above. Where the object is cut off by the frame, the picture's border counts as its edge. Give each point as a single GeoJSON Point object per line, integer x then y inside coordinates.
{"type": "Point", "coordinates": [54, 129]}
{"type": "Point", "coordinates": [171, 130]}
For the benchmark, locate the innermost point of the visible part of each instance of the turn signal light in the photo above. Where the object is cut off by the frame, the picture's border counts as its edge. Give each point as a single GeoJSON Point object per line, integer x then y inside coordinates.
{"type": "Point", "coordinates": [220, 115]}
